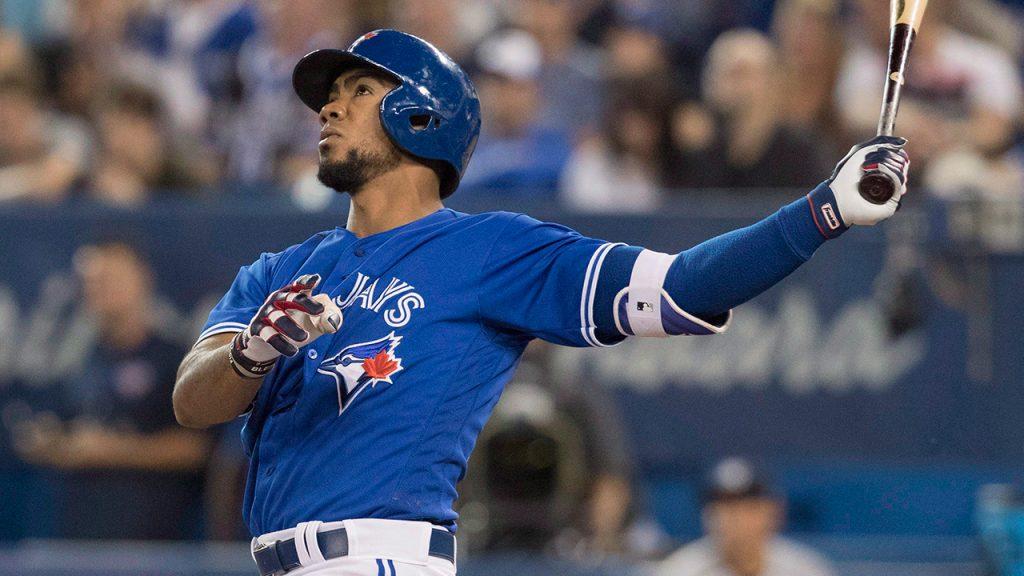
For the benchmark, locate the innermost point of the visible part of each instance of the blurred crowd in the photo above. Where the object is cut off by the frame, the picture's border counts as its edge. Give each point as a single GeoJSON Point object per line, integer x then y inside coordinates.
{"type": "Point", "coordinates": [595, 104]}
{"type": "Point", "coordinates": [598, 105]}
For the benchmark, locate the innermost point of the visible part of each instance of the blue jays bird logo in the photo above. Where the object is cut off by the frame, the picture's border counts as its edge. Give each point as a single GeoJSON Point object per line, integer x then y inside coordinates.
{"type": "Point", "coordinates": [360, 365]}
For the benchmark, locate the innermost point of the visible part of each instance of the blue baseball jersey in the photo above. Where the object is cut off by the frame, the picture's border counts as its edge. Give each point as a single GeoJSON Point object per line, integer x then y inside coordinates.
{"type": "Point", "coordinates": [379, 419]}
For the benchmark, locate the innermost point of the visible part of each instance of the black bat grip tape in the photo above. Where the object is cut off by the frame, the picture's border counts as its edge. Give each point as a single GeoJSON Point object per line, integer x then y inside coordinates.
{"type": "Point", "coordinates": [876, 188]}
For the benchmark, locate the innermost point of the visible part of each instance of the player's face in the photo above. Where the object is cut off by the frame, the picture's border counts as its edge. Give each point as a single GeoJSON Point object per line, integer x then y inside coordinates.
{"type": "Point", "coordinates": [353, 145]}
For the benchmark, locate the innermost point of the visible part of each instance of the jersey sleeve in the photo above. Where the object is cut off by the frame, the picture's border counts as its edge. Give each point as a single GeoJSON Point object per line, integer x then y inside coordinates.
{"type": "Point", "coordinates": [242, 300]}
{"type": "Point", "coordinates": [549, 282]}
{"type": "Point", "coordinates": [541, 280]}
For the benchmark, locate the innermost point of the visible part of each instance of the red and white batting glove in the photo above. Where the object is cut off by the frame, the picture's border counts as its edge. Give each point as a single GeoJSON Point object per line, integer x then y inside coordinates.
{"type": "Point", "coordinates": [289, 319]}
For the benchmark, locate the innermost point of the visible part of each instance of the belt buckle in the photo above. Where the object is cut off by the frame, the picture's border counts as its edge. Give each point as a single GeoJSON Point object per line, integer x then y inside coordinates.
{"type": "Point", "coordinates": [268, 563]}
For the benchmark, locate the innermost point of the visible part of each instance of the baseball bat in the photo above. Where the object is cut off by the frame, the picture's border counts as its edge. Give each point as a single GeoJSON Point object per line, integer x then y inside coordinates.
{"type": "Point", "coordinates": [905, 20]}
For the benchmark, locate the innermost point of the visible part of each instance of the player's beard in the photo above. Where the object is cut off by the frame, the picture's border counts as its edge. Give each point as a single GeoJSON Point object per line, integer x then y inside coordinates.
{"type": "Point", "coordinates": [357, 168]}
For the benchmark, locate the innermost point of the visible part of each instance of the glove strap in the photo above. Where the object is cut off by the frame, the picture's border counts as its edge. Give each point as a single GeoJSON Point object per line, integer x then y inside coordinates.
{"type": "Point", "coordinates": [242, 365]}
{"type": "Point", "coordinates": [825, 211]}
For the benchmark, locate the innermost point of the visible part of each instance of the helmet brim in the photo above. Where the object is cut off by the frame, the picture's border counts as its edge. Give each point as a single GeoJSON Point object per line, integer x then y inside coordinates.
{"type": "Point", "coordinates": [316, 72]}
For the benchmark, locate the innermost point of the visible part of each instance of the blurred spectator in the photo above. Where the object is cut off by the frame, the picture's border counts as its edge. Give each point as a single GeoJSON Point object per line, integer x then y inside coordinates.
{"type": "Point", "coordinates": [993, 21]}
{"type": "Point", "coordinates": [619, 170]}
{"type": "Point", "coordinates": [570, 71]}
{"type": "Point", "coordinates": [515, 153]}
{"type": "Point", "coordinates": [738, 137]}
{"type": "Point", "coordinates": [742, 517]}
{"type": "Point", "coordinates": [188, 52]}
{"type": "Point", "coordinates": [551, 471]}
{"type": "Point", "coordinates": [14, 54]}
{"type": "Point", "coordinates": [78, 79]}
{"type": "Point", "coordinates": [30, 19]}
{"type": "Point", "coordinates": [136, 159]}
{"type": "Point", "coordinates": [451, 25]}
{"type": "Point", "coordinates": [42, 153]}
{"type": "Point", "coordinates": [273, 135]}
{"type": "Point", "coordinates": [99, 26]}
{"type": "Point", "coordinates": [126, 469]}
{"type": "Point", "coordinates": [636, 50]}
{"type": "Point", "coordinates": [810, 41]}
{"type": "Point", "coordinates": [960, 105]}
{"type": "Point", "coordinates": [87, 46]}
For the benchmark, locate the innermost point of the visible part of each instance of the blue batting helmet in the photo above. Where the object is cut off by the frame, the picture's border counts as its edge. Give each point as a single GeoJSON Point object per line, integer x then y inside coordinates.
{"type": "Point", "coordinates": [433, 114]}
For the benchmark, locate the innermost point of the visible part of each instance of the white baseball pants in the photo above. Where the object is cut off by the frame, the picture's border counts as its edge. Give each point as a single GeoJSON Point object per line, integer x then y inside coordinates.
{"type": "Point", "coordinates": [376, 548]}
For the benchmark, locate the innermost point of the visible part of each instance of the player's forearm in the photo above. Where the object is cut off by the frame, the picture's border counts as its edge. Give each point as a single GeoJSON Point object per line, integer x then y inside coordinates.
{"type": "Point", "coordinates": [728, 270]}
{"type": "Point", "coordinates": [208, 391]}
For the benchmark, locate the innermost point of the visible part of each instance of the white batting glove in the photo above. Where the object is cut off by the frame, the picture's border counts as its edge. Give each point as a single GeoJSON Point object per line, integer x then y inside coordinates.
{"type": "Point", "coordinates": [837, 204]}
{"type": "Point", "coordinates": [289, 319]}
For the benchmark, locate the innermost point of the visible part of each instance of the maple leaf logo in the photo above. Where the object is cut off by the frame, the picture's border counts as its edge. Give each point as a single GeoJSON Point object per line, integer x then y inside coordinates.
{"type": "Point", "coordinates": [381, 366]}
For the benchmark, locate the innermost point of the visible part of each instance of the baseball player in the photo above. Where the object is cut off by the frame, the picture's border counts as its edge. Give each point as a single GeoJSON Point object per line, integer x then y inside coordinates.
{"type": "Point", "coordinates": [358, 431]}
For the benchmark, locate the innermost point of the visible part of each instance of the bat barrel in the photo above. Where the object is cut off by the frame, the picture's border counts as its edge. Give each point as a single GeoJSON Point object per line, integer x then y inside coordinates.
{"type": "Point", "coordinates": [900, 41]}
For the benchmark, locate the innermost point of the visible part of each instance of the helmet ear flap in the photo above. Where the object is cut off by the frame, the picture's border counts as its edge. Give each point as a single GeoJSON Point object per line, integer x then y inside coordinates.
{"type": "Point", "coordinates": [408, 119]}
{"type": "Point", "coordinates": [424, 120]}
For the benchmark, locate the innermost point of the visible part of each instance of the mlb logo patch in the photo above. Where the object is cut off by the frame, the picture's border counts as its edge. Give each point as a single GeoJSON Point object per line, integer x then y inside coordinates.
{"type": "Point", "coordinates": [644, 307]}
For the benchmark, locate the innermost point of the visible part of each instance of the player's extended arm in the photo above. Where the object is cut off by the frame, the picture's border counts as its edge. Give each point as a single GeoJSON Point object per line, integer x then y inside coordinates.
{"type": "Point", "coordinates": [711, 278]}
{"type": "Point", "coordinates": [220, 376]}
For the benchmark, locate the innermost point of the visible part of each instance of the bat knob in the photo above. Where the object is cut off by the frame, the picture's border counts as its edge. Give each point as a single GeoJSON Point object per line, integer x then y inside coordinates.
{"type": "Point", "coordinates": [876, 188]}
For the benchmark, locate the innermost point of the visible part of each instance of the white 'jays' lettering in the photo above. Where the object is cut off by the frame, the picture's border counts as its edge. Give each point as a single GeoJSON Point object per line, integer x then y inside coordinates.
{"type": "Point", "coordinates": [365, 294]}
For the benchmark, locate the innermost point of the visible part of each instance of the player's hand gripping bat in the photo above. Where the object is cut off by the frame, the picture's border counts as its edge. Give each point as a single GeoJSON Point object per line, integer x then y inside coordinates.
{"type": "Point", "coordinates": [874, 186]}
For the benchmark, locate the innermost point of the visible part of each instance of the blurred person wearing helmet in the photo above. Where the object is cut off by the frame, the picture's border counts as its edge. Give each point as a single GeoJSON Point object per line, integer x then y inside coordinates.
{"type": "Point", "coordinates": [742, 517]}
{"type": "Point", "coordinates": [125, 470]}
{"type": "Point", "coordinates": [367, 358]}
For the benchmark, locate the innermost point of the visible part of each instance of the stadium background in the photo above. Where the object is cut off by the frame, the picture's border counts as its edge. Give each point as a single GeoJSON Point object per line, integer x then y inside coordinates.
{"type": "Point", "coordinates": [880, 386]}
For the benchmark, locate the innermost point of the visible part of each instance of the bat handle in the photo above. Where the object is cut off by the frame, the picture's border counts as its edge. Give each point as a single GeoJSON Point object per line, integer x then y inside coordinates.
{"type": "Point", "coordinates": [876, 187]}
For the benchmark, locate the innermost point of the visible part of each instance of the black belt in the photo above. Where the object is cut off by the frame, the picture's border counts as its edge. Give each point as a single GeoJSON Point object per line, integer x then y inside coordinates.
{"type": "Point", "coordinates": [280, 557]}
